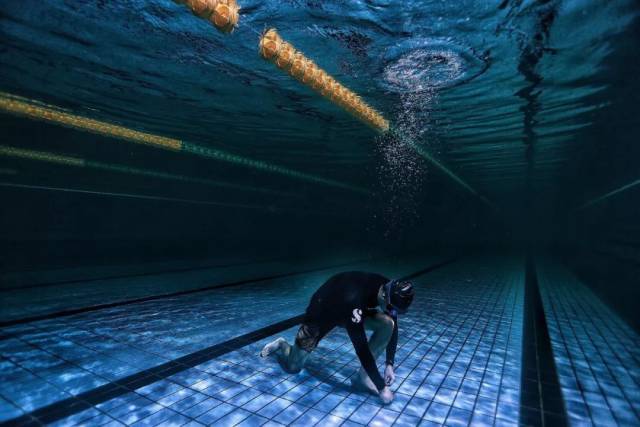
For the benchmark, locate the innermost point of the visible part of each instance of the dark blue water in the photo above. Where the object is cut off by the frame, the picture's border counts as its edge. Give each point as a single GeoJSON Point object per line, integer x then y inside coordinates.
{"type": "Point", "coordinates": [138, 281]}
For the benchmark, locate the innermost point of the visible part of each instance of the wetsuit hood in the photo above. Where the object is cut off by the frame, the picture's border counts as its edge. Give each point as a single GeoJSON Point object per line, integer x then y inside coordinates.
{"type": "Point", "coordinates": [398, 296]}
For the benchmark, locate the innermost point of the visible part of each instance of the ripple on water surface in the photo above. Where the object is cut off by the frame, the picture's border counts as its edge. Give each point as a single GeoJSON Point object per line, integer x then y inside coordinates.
{"type": "Point", "coordinates": [424, 64]}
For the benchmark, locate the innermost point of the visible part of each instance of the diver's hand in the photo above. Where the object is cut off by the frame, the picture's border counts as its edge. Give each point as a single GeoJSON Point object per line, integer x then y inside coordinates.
{"type": "Point", "coordinates": [386, 395]}
{"type": "Point", "coordinates": [389, 375]}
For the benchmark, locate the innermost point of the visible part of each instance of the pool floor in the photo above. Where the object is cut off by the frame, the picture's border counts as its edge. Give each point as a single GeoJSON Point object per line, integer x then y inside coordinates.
{"type": "Point", "coordinates": [192, 359]}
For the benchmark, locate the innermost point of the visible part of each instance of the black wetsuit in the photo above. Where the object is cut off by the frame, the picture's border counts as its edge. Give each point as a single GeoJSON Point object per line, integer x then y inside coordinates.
{"type": "Point", "coordinates": [346, 299]}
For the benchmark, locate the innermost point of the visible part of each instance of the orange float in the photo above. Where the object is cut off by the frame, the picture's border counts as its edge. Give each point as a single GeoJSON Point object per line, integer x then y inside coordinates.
{"type": "Point", "coordinates": [274, 49]}
{"type": "Point", "coordinates": [223, 14]}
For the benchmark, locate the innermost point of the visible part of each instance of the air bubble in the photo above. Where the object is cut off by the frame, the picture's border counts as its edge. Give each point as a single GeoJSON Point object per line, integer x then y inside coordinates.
{"type": "Point", "coordinates": [419, 65]}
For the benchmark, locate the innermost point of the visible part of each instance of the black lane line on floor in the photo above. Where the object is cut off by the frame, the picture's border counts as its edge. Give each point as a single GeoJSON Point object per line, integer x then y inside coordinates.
{"type": "Point", "coordinates": [541, 402]}
{"type": "Point", "coordinates": [64, 408]}
{"type": "Point", "coordinates": [431, 268]}
{"type": "Point", "coordinates": [73, 405]}
{"type": "Point", "coordinates": [73, 311]}
{"type": "Point", "coordinates": [124, 276]}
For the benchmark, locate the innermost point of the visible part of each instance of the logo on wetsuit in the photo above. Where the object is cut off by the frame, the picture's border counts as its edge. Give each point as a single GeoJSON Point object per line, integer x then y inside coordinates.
{"type": "Point", "coordinates": [357, 315]}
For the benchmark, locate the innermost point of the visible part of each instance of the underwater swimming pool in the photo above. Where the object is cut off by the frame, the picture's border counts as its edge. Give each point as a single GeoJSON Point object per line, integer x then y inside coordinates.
{"type": "Point", "coordinates": [175, 186]}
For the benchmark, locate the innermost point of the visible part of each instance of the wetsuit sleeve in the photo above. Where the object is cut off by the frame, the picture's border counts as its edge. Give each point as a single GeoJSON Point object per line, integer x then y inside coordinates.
{"type": "Point", "coordinates": [393, 343]}
{"type": "Point", "coordinates": [359, 340]}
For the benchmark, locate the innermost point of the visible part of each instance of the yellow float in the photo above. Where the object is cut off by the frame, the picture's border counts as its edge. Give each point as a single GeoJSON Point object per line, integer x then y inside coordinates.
{"type": "Point", "coordinates": [274, 49]}
{"type": "Point", "coordinates": [223, 14]}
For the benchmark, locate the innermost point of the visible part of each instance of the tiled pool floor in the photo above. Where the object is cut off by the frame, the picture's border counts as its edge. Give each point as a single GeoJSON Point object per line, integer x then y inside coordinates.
{"type": "Point", "coordinates": [51, 360]}
{"type": "Point", "coordinates": [597, 354]}
{"type": "Point", "coordinates": [458, 361]}
{"type": "Point", "coordinates": [47, 298]}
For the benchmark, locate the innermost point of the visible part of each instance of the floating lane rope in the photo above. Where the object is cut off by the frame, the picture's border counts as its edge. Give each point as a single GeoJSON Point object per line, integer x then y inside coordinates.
{"type": "Point", "coordinates": [612, 193]}
{"type": "Point", "coordinates": [455, 178]}
{"type": "Point", "coordinates": [271, 209]}
{"type": "Point", "coordinates": [66, 160]}
{"type": "Point", "coordinates": [41, 156]}
{"type": "Point", "coordinates": [223, 14]}
{"type": "Point", "coordinates": [51, 114]}
{"type": "Point", "coordinates": [281, 53]}
{"type": "Point", "coordinates": [38, 111]}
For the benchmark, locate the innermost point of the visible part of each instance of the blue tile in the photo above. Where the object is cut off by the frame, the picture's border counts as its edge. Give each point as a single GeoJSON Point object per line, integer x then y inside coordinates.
{"type": "Point", "coordinates": [384, 418]}
{"type": "Point", "coordinates": [290, 414]}
{"type": "Point", "coordinates": [274, 407]}
{"type": "Point", "coordinates": [400, 401]}
{"type": "Point", "coordinates": [458, 417]}
{"type": "Point", "coordinates": [486, 405]}
{"type": "Point", "coordinates": [230, 392]}
{"type": "Point", "coordinates": [309, 418]}
{"type": "Point", "coordinates": [331, 421]}
{"type": "Point", "coordinates": [244, 397]}
{"type": "Point", "coordinates": [329, 402]}
{"type": "Point", "coordinates": [139, 414]}
{"type": "Point", "coordinates": [259, 402]}
{"type": "Point", "coordinates": [176, 397]}
{"type": "Point", "coordinates": [253, 421]}
{"type": "Point", "coordinates": [8, 411]}
{"type": "Point", "coordinates": [427, 391]}
{"type": "Point", "coordinates": [297, 392]}
{"type": "Point", "coordinates": [406, 420]}
{"type": "Point", "coordinates": [346, 408]}
{"type": "Point", "coordinates": [156, 418]}
{"type": "Point", "coordinates": [417, 406]}
{"type": "Point", "coordinates": [193, 423]}
{"type": "Point", "coordinates": [188, 402]}
{"type": "Point", "coordinates": [113, 423]}
{"type": "Point", "coordinates": [364, 413]}
{"type": "Point", "coordinates": [508, 412]}
{"type": "Point", "coordinates": [77, 418]}
{"type": "Point", "coordinates": [465, 401]}
{"type": "Point", "coordinates": [282, 388]}
{"type": "Point", "coordinates": [122, 411]}
{"type": "Point", "coordinates": [174, 420]}
{"type": "Point", "coordinates": [427, 423]}
{"type": "Point", "coordinates": [311, 398]}
{"type": "Point", "coordinates": [188, 377]}
{"type": "Point", "coordinates": [234, 417]}
{"type": "Point", "coordinates": [445, 396]}
{"type": "Point", "coordinates": [215, 414]}
{"type": "Point", "coordinates": [201, 407]}
{"type": "Point", "coordinates": [480, 419]}
{"type": "Point", "coordinates": [98, 420]}
{"type": "Point", "coordinates": [601, 416]}
{"type": "Point", "coordinates": [452, 382]}
{"type": "Point", "coordinates": [437, 412]}
{"type": "Point", "coordinates": [159, 389]}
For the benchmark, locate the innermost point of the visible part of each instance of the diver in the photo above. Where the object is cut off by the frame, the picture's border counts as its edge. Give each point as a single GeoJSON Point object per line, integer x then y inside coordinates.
{"type": "Point", "coordinates": [356, 301]}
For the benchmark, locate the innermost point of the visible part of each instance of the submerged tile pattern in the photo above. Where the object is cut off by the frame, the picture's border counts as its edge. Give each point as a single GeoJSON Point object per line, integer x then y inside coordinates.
{"type": "Point", "coordinates": [24, 303]}
{"type": "Point", "coordinates": [597, 354]}
{"type": "Point", "coordinates": [458, 363]}
{"type": "Point", "coordinates": [47, 361]}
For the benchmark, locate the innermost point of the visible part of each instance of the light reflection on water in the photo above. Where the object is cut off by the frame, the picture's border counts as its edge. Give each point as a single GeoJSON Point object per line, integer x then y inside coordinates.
{"type": "Point", "coordinates": [465, 81]}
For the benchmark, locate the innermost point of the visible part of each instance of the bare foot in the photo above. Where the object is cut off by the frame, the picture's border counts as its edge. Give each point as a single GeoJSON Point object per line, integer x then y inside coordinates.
{"type": "Point", "coordinates": [272, 347]}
